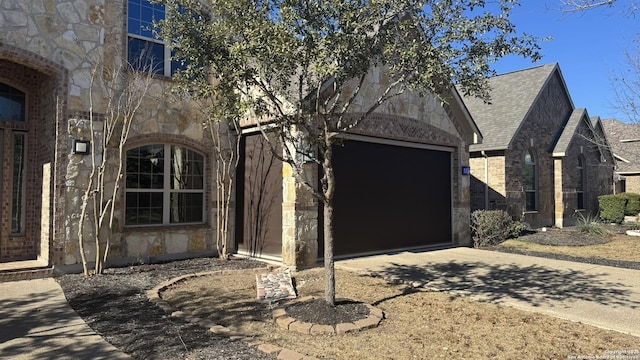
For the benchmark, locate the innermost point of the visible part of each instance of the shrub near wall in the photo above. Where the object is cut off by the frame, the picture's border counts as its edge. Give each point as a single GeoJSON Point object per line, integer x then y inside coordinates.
{"type": "Point", "coordinates": [632, 207]}
{"type": "Point", "coordinates": [612, 208]}
{"type": "Point", "coordinates": [491, 227]}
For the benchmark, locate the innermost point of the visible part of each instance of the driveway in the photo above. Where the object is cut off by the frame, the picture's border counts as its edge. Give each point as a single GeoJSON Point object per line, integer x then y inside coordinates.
{"type": "Point", "coordinates": [602, 296]}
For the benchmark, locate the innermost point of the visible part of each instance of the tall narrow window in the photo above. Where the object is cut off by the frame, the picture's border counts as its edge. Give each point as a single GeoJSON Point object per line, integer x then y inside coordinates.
{"type": "Point", "coordinates": [18, 184]}
{"type": "Point", "coordinates": [530, 182]}
{"type": "Point", "coordinates": [580, 183]}
{"type": "Point", "coordinates": [12, 103]}
{"type": "Point", "coordinates": [164, 185]}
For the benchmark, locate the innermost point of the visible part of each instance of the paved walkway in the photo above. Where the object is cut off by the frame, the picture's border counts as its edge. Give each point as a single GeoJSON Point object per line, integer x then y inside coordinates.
{"type": "Point", "coordinates": [37, 323]}
{"type": "Point", "coordinates": [602, 296]}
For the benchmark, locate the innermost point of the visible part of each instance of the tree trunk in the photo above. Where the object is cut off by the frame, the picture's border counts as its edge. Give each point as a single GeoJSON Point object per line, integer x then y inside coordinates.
{"type": "Point", "coordinates": [329, 266]}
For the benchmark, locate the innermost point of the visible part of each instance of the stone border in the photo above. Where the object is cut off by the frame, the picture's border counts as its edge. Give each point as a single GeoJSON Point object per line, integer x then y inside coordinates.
{"type": "Point", "coordinates": [154, 297]}
{"type": "Point", "coordinates": [286, 322]}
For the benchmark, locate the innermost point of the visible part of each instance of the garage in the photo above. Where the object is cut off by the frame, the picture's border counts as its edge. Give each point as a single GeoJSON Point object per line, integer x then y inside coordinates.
{"type": "Point", "coordinates": [390, 196]}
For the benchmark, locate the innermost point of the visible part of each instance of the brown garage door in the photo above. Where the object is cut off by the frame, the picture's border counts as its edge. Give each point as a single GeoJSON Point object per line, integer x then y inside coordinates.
{"type": "Point", "coordinates": [260, 196]}
{"type": "Point", "coordinates": [390, 197]}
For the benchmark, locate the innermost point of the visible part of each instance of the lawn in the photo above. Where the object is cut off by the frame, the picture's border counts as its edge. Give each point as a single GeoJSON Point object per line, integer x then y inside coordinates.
{"type": "Point", "coordinates": [419, 324]}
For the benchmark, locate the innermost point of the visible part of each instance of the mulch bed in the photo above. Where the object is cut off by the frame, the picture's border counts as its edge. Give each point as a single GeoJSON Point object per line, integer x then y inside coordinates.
{"type": "Point", "coordinates": [318, 311]}
{"type": "Point", "coordinates": [116, 306]}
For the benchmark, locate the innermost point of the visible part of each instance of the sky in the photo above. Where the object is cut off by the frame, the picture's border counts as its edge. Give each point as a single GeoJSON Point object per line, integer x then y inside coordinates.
{"type": "Point", "coordinates": [588, 46]}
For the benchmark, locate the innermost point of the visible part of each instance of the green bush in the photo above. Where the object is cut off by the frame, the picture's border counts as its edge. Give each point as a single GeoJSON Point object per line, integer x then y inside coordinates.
{"type": "Point", "coordinates": [632, 208]}
{"type": "Point", "coordinates": [491, 227]}
{"type": "Point", "coordinates": [612, 208]}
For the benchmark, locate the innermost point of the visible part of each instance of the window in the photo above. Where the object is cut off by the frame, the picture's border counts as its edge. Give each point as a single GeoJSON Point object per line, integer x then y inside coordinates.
{"type": "Point", "coordinates": [164, 185]}
{"type": "Point", "coordinates": [12, 104]}
{"type": "Point", "coordinates": [530, 186]}
{"type": "Point", "coordinates": [580, 184]}
{"type": "Point", "coordinates": [18, 184]}
{"type": "Point", "coordinates": [145, 50]}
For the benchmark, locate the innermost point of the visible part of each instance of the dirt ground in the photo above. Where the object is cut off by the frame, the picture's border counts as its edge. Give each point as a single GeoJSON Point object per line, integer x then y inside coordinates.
{"type": "Point", "coordinates": [418, 325]}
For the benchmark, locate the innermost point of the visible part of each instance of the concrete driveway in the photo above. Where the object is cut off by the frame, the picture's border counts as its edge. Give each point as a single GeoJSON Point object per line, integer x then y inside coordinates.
{"type": "Point", "coordinates": [602, 296]}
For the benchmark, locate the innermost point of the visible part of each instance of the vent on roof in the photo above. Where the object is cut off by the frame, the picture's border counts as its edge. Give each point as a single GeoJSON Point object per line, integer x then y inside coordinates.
{"type": "Point", "coordinates": [629, 140]}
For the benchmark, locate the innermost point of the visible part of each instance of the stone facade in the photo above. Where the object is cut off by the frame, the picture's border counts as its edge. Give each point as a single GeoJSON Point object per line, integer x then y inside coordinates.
{"type": "Point", "coordinates": [48, 50]}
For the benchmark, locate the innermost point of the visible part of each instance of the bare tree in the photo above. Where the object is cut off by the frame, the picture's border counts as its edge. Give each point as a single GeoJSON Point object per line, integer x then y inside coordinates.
{"type": "Point", "coordinates": [630, 6]}
{"type": "Point", "coordinates": [626, 85]}
{"type": "Point", "coordinates": [122, 90]}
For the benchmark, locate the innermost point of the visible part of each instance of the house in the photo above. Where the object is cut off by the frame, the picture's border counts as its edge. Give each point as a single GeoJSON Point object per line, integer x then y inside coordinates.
{"type": "Point", "coordinates": [624, 139]}
{"type": "Point", "coordinates": [400, 179]}
{"type": "Point", "coordinates": [541, 159]}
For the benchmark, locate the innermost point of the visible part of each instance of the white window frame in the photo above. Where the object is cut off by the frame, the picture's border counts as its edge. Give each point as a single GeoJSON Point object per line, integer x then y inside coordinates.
{"type": "Point", "coordinates": [166, 71]}
{"type": "Point", "coordinates": [167, 190]}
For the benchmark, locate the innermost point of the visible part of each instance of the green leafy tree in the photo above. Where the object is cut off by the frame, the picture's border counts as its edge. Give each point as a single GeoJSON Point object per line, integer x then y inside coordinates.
{"type": "Point", "coordinates": [298, 68]}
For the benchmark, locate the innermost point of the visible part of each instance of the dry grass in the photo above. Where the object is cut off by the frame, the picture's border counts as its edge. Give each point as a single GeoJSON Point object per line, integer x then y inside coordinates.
{"type": "Point", "coordinates": [619, 247]}
{"type": "Point", "coordinates": [419, 324]}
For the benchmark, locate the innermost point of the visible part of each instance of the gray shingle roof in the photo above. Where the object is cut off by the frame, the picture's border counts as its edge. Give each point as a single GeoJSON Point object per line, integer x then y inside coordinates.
{"type": "Point", "coordinates": [569, 130]}
{"type": "Point", "coordinates": [512, 96]}
{"type": "Point", "coordinates": [627, 151]}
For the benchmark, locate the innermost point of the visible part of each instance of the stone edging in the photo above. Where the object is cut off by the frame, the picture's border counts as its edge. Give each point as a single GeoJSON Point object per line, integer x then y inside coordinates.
{"type": "Point", "coordinates": [154, 297]}
{"type": "Point", "coordinates": [286, 322]}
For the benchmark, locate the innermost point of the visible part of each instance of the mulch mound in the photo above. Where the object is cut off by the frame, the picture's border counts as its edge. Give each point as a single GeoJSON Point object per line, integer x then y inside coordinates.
{"type": "Point", "coordinates": [116, 306]}
{"type": "Point", "coordinates": [562, 237]}
{"type": "Point", "coordinates": [318, 311]}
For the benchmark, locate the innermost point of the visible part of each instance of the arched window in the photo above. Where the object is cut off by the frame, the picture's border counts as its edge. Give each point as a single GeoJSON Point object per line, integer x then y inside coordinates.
{"type": "Point", "coordinates": [12, 103]}
{"type": "Point", "coordinates": [164, 185]}
{"type": "Point", "coordinates": [580, 183]}
{"type": "Point", "coordinates": [530, 182]}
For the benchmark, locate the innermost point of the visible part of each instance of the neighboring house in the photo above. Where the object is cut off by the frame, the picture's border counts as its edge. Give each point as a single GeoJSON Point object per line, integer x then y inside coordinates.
{"type": "Point", "coordinates": [541, 160]}
{"type": "Point", "coordinates": [624, 139]}
{"type": "Point", "coordinates": [399, 178]}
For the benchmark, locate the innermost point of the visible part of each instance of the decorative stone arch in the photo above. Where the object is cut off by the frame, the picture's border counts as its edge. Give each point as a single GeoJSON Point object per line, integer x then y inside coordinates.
{"type": "Point", "coordinates": [46, 86]}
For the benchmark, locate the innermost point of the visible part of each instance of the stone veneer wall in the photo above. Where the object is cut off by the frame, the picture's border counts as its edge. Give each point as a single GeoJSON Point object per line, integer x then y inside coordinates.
{"type": "Point", "coordinates": [54, 45]}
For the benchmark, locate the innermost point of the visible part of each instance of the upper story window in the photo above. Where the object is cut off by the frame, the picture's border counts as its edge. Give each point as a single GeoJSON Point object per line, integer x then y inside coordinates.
{"type": "Point", "coordinates": [164, 186]}
{"type": "Point", "coordinates": [12, 104]}
{"type": "Point", "coordinates": [530, 182]}
{"type": "Point", "coordinates": [580, 184]}
{"type": "Point", "coordinates": [145, 49]}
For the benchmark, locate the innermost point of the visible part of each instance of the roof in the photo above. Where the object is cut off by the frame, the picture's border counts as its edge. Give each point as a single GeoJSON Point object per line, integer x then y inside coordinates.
{"type": "Point", "coordinates": [570, 129]}
{"type": "Point", "coordinates": [624, 139]}
{"type": "Point", "coordinates": [512, 97]}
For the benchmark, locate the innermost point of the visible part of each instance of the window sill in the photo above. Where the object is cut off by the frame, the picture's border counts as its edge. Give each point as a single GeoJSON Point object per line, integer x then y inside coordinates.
{"type": "Point", "coordinates": [530, 212]}
{"type": "Point", "coordinates": [172, 227]}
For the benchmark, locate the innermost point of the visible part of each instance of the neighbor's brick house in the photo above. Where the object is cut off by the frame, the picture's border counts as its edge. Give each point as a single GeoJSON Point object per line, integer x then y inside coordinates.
{"type": "Point", "coordinates": [541, 160]}
{"type": "Point", "coordinates": [48, 50]}
{"type": "Point", "coordinates": [624, 139]}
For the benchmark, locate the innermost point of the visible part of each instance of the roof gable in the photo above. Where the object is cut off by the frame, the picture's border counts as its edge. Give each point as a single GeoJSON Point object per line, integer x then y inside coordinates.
{"type": "Point", "coordinates": [513, 95]}
{"type": "Point", "coordinates": [624, 140]}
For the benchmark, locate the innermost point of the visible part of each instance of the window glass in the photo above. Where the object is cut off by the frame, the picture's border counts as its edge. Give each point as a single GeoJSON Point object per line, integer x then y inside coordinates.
{"type": "Point", "coordinates": [164, 192]}
{"type": "Point", "coordinates": [580, 184]}
{"type": "Point", "coordinates": [18, 184]}
{"type": "Point", "coordinates": [12, 103]}
{"type": "Point", "coordinates": [530, 182]}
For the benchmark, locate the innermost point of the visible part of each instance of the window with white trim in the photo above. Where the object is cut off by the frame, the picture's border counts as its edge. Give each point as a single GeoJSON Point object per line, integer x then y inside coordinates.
{"type": "Point", "coordinates": [145, 49]}
{"type": "Point", "coordinates": [164, 186]}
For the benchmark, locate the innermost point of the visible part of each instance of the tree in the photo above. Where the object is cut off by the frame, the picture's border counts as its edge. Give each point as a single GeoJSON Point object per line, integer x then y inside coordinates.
{"type": "Point", "coordinates": [298, 69]}
{"type": "Point", "coordinates": [118, 92]}
{"type": "Point", "coordinates": [626, 85]}
{"type": "Point", "coordinates": [585, 5]}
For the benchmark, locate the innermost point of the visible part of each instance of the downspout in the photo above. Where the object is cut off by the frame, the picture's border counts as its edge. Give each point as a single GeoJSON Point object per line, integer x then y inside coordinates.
{"type": "Point", "coordinates": [486, 179]}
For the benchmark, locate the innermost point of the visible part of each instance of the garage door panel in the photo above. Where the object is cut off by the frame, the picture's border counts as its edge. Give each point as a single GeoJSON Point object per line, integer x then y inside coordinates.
{"type": "Point", "coordinates": [389, 197]}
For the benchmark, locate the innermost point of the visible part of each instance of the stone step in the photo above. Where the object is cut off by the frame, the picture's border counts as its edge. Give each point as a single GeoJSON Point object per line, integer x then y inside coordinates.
{"type": "Point", "coordinates": [24, 270]}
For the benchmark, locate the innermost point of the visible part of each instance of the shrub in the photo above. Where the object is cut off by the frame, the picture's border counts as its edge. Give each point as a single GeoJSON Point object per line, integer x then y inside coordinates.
{"type": "Point", "coordinates": [632, 208]}
{"type": "Point", "coordinates": [491, 227]}
{"type": "Point", "coordinates": [589, 224]}
{"type": "Point", "coordinates": [612, 208]}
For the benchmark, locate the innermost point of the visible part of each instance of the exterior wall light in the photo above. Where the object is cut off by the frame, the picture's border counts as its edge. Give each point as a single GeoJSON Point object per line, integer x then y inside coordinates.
{"type": "Point", "coordinates": [466, 170]}
{"type": "Point", "coordinates": [81, 147]}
